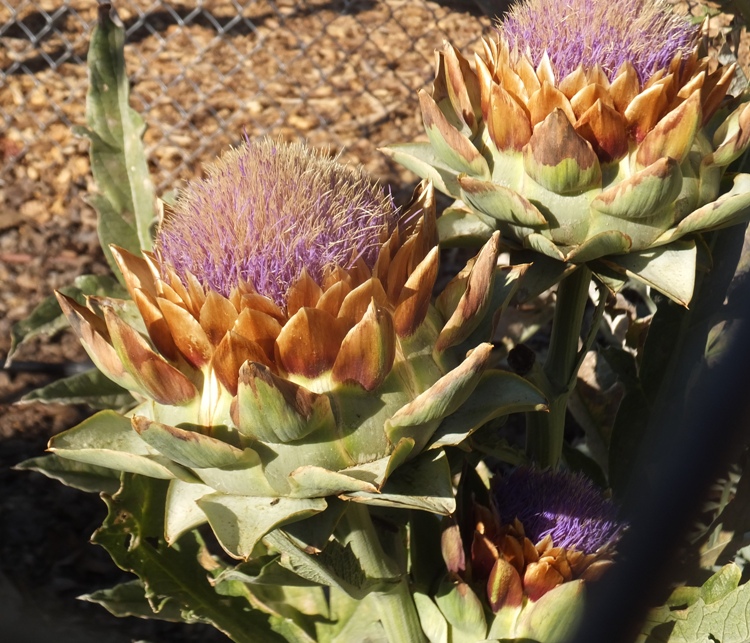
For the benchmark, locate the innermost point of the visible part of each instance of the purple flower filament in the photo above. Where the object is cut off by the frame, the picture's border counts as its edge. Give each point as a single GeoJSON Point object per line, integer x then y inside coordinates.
{"type": "Point", "coordinates": [267, 211]}
{"type": "Point", "coordinates": [645, 33]}
{"type": "Point", "coordinates": [565, 506]}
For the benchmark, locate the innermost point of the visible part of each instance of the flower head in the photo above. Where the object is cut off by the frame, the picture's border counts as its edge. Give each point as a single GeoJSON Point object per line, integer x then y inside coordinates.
{"type": "Point", "coordinates": [545, 529]}
{"type": "Point", "coordinates": [266, 212]}
{"type": "Point", "coordinates": [288, 348]}
{"type": "Point", "coordinates": [645, 33]}
{"type": "Point", "coordinates": [564, 506]}
{"type": "Point", "coordinates": [587, 130]}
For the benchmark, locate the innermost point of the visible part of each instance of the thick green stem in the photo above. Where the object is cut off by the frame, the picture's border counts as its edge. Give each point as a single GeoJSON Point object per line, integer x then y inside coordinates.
{"type": "Point", "coordinates": [398, 614]}
{"type": "Point", "coordinates": [557, 379]}
{"type": "Point", "coordinates": [545, 432]}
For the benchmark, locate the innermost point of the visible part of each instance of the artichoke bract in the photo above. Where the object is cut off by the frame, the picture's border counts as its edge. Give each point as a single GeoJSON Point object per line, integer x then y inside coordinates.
{"type": "Point", "coordinates": [544, 536]}
{"type": "Point", "coordinates": [548, 534]}
{"type": "Point", "coordinates": [284, 345]}
{"type": "Point", "coordinates": [598, 137]}
{"type": "Point", "coordinates": [549, 528]}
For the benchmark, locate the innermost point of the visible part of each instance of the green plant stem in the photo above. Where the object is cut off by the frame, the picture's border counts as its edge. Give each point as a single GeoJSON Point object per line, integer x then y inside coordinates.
{"type": "Point", "coordinates": [398, 614]}
{"type": "Point", "coordinates": [544, 431]}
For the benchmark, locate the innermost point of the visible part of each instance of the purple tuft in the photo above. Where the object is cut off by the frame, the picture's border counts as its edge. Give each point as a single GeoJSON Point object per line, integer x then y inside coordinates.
{"type": "Point", "coordinates": [269, 210]}
{"type": "Point", "coordinates": [566, 506]}
{"type": "Point", "coordinates": [588, 32]}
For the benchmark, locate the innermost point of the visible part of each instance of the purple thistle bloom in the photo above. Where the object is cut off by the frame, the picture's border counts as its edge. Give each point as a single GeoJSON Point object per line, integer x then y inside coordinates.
{"type": "Point", "coordinates": [586, 32]}
{"type": "Point", "coordinates": [565, 506]}
{"type": "Point", "coordinates": [267, 211]}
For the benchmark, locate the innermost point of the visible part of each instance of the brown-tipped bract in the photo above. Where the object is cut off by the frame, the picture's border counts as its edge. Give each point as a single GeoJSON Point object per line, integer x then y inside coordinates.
{"type": "Point", "coordinates": [585, 168]}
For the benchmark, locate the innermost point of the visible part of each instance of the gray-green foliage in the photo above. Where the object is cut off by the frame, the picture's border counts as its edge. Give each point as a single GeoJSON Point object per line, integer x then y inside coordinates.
{"type": "Point", "coordinates": [126, 204]}
{"type": "Point", "coordinates": [717, 611]}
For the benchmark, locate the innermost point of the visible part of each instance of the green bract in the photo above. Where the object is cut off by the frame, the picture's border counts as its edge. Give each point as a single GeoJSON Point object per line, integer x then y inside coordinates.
{"type": "Point", "coordinates": [615, 174]}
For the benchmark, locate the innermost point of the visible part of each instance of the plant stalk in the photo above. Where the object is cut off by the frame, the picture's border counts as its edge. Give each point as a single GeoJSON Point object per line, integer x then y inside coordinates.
{"type": "Point", "coordinates": [545, 431]}
{"type": "Point", "coordinates": [398, 615]}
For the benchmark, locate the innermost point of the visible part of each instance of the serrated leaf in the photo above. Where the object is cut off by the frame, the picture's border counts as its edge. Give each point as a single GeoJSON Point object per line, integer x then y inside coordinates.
{"type": "Point", "coordinates": [336, 566]}
{"type": "Point", "coordinates": [46, 319]}
{"type": "Point", "coordinates": [132, 533]}
{"type": "Point", "coordinates": [129, 599]}
{"type": "Point", "coordinates": [118, 159]}
{"type": "Point", "coordinates": [264, 570]}
{"type": "Point", "coordinates": [239, 522]}
{"type": "Point", "coordinates": [726, 580]}
{"type": "Point", "coordinates": [723, 619]}
{"type": "Point", "coordinates": [90, 387]}
{"type": "Point", "coordinates": [86, 477]}
{"type": "Point", "coordinates": [294, 611]}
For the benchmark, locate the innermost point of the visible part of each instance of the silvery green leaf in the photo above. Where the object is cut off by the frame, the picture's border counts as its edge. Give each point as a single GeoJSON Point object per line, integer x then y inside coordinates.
{"type": "Point", "coordinates": [108, 440]}
{"type": "Point", "coordinates": [129, 599]}
{"type": "Point", "coordinates": [86, 477]}
{"type": "Point", "coordinates": [132, 533]}
{"type": "Point", "coordinates": [718, 614]}
{"type": "Point", "coordinates": [91, 387]}
{"type": "Point", "coordinates": [118, 159]}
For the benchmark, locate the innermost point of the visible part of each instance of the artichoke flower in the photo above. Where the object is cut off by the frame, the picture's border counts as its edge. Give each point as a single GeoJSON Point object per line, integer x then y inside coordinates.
{"type": "Point", "coordinates": [590, 132]}
{"type": "Point", "coordinates": [547, 528]}
{"type": "Point", "coordinates": [535, 543]}
{"type": "Point", "coordinates": [285, 351]}
{"type": "Point", "coordinates": [545, 537]}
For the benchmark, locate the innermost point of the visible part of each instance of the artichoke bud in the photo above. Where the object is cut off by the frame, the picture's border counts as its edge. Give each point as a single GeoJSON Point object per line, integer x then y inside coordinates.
{"type": "Point", "coordinates": [552, 528]}
{"type": "Point", "coordinates": [544, 537]}
{"type": "Point", "coordinates": [283, 338]}
{"type": "Point", "coordinates": [567, 119]}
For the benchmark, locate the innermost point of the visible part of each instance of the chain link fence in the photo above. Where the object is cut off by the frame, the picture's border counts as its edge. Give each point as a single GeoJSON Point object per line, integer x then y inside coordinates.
{"type": "Point", "coordinates": [339, 73]}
